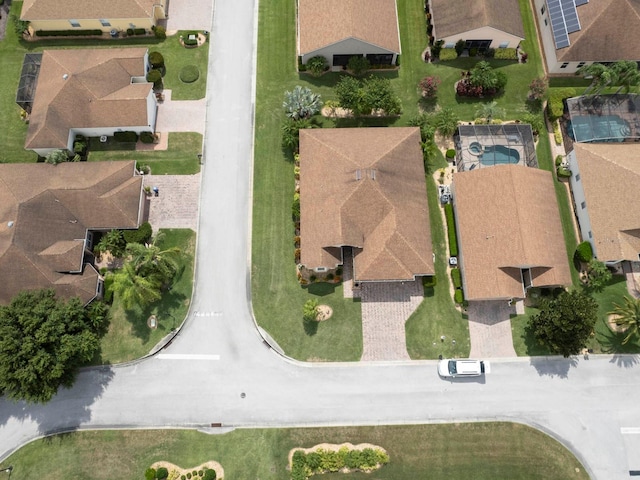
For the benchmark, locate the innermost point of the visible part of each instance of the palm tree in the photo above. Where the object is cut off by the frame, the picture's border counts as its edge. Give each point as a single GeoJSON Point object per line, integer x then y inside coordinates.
{"type": "Point", "coordinates": [489, 111]}
{"type": "Point", "coordinates": [151, 262]}
{"type": "Point", "coordinates": [446, 122]}
{"type": "Point", "coordinates": [301, 103]}
{"type": "Point", "coordinates": [628, 316]}
{"type": "Point", "coordinates": [627, 75]}
{"type": "Point", "coordinates": [602, 77]}
{"type": "Point", "coordinates": [134, 289]}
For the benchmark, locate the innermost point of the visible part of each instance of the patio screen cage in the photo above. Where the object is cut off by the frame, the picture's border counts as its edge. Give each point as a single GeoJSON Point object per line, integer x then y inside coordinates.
{"type": "Point", "coordinates": [479, 146]}
{"type": "Point", "coordinates": [604, 118]}
{"type": "Point", "coordinates": [28, 80]}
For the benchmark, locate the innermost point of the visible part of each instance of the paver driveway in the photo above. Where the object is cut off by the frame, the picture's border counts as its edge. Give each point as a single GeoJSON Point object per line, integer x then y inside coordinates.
{"type": "Point", "coordinates": [181, 115]}
{"type": "Point", "coordinates": [490, 329]}
{"type": "Point", "coordinates": [176, 206]}
{"type": "Point", "coordinates": [189, 15]}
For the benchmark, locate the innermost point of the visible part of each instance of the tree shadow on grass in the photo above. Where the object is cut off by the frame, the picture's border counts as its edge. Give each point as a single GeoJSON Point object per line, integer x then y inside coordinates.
{"type": "Point", "coordinates": [165, 310]}
{"type": "Point", "coordinates": [310, 326]}
{"type": "Point", "coordinates": [611, 343]}
{"type": "Point", "coordinates": [357, 122]}
{"type": "Point", "coordinates": [428, 105]}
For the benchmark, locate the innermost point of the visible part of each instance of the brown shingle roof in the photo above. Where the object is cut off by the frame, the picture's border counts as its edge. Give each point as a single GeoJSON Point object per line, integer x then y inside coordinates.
{"type": "Point", "coordinates": [51, 208]}
{"type": "Point", "coordinates": [87, 9]}
{"type": "Point", "coordinates": [607, 27]}
{"type": "Point", "coordinates": [84, 88]}
{"type": "Point", "coordinates": [325, 22]}
{"type": "Point", "coordinates": [384, 212]}
{"type": "Point", "coordinates": [452, 17]}
{"type": "Point", "coordinates": [507, 218]}
{"type": "Point", "coordinates": [610, 175]}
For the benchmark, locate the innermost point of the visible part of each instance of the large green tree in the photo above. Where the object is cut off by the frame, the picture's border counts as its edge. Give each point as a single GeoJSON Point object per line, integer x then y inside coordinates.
{"type": "Point", "coordinates": [43, 341]}
{"type": "Point", "coordinates": [565, 324]}
{"type": "Point", "coordinates": [628, 316]}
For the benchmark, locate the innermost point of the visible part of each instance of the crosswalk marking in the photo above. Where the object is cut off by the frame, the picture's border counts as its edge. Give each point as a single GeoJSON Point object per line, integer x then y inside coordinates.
{"type": "Point", "coordinates": [180, 356]}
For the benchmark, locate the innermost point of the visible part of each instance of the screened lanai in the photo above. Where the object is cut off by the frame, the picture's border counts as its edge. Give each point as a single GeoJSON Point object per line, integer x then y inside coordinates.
{"type": "Point", "coordinates": [604, 118]}
{"type": "Point", "coordinates": [479, 146]}
{"type": "Point", "coordinates": [28, 80]}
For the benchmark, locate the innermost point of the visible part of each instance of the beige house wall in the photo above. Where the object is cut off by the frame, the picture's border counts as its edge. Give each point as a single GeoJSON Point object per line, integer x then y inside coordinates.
{"type": "Point", "coordinates": [485, 33]}
{"type": "Point", "coordinates": [120, 24]}
{"type": "Point", "coordinates": [347, 47]}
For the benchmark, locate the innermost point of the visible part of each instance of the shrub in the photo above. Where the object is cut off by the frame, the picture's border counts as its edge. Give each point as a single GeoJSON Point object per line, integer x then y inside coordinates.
{"type": "Point", "coordinates": [125, 137]}
{"type": "Point", "coordinates": [557, 134]}
{"type": "Point", "coordinates": [456, 277]}
{"type": "Point", "coordinates": [559, 159]}
{"type": "Point", "coordinates": [156, 59]}
{"type": "Point", "coordinates": [436, 48]}
{"type": "Point", "coordinates": [451, 230]}
{"type": "Point", "coordinates": [429, 86]}
{"type": "Point", "coordinates": [183, 477]}
{"type": "Point", "coordinates": [458, 297]}
{"type": "Point", "coordinates": [489, 53]}
{"type": "Point", "coordinates": [130, 32]}
{"type": "Point", "coordinates": [141, 235]}
{"type": "Point", "coordinates": [316, 65]}
{"type": "Point", "coordinates": [57, 156]}
{"type": "Point", "coordinates": [473, 52]}
{"type": "Point", "coordinates": [339, 271]}
{"type": "Point", "coordinates": [160, 32]}
{"type": "Point", "coordinates": [296, 240]}
{"type": "Point", "coordinates": [447, 54]}
{"type": "Point", "coordinates": [451, 153]}
{"type": "Point", "coordinates": [538, 88]}
{"type": "Point", "coordinates": [563, 172]}
{"type": "Point", "coordinates": [139, 31]}
{"type": "Point", "coordinates": [209, 474]}
{"type": "Point", "coordinates": [296, 255]}
{"type": "Point", "coordinates": [295, 207]}
{"type": "Point", "coordinates": [310, 309]}
{"type": "Point", "coordinates": [150, 474]}
{"type": "Point", "coordinates": [584, 252]}
{"type": "Point", "coordinates": [162, 473]}
{"type": "Point", "coordinates": [189, 475]}
{"type": "Point", "coordinates": [154, 76]}
{"type": "Point", "coordinates": [429, 282]}
{"type": "Point", "coordinates": [459, 48]}
{"type": "Point", "coordinates": [194, 473]}
{"type": "Point", "coordinates": [506, 54]}
{"type": "Point", "coordinates": [68, 33]}
{"type": "Point", "coordinates": [555, 107]}
{"type": "Point", "coordinates": [189, 74]}
{"type": "Point", "coordinates": [147, 137]}
{"type": "Point", "coordinates": [358, 65]}
{"type": "Point", "coordinates": [78, 147]}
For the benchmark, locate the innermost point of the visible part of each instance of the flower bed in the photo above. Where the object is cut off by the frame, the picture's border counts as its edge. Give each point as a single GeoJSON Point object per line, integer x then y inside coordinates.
{"type": "Point", "coordinates": [344, 458]}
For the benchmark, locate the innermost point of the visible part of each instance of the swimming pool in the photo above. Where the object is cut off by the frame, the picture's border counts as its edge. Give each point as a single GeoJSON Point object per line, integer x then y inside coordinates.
{"type": "Point", "coordinates": [608, 128]}
{"type": "Point", "coordinates": [499, 155]}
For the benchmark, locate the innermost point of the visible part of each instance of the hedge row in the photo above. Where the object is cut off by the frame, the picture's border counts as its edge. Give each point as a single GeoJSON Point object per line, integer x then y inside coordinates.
{"type": "Point", "coordinates": [67, 33]}
{"type": "Point", "coordinates": [555, 107]}
{"type": "Point", "coordinates": [451, 230]}
{"type": "Point", "coordinates": [136, 31]}
{"type": "Point", "coordinates": [456, 277]}
{"type": "Point", "coordinates": [306, 464]}
{"type": "Point", "coordinates": [458, 296]}
{"type": "Point", "coordinates": [506, 54]}
{"type": "Point", "coordinates": [448, 54]}
{"type": "Point", "coordinates": [584, 252]}
{"type": "Point", "coordinates": [125, 137]}
{"type": "Point", "coordinates": [141, 235]}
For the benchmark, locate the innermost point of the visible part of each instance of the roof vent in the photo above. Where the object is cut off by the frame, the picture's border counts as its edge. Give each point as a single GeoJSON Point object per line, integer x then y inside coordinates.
{"type": "Point", "coordinates": [10, 223]}
{"type": "Point", "coordinates": [65, 76]}
{"type": "Point", "coordinates": [358, 174]}
{"type": "Point", "coordinates": [372, 172]}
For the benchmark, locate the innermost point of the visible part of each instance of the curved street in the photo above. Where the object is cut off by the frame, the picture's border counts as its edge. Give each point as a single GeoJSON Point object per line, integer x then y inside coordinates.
{"type": "Point", "coordinates": [219, 370]}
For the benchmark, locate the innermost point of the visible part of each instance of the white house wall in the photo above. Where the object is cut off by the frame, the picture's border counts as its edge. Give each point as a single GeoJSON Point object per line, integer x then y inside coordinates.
{"type": "Point", "coordinates": [579, 199]}
{"type": "Point", "coordinates": [347, 47]}
{"type": "Point", "coordinates": [496, 36]}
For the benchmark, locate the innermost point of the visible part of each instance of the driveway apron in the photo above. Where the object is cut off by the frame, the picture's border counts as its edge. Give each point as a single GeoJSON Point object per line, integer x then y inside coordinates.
{"type": "Point", "coordinates": [176, 205]}
{"type": "Point", "coordinates": [181, 115]}
{"type": "Point", "coordinates": [189, 15]}
{"type": "Point", "coordinates": [490, 329]}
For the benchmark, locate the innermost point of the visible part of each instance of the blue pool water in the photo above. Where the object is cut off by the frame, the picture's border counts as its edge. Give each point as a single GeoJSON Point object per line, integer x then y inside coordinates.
{"type": "Point", "coordinates": [607, 128]}
{"type": "Point", "coordinates": [499, 155]}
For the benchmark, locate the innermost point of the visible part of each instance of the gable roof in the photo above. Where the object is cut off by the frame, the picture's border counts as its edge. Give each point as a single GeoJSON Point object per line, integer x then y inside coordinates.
{"type": "Point", "coordinates": [610, 175]}
{"type": "Point", "coordinates": [507, 218]}
{"type": "Point", "coordinates": [365, 188]}
{"type": "Point", "coordinates": [604, 34]}
{"type": "Point", "coordinates": [85, 88]}
{"type": "Point", "coordinates": [87, 9]}
{"type": "Point", "coordinates": [452, 17]}
{"type": "Point", "coordinates": [51, 208]}
{"type": "Point", "coordinates": [325, 22]}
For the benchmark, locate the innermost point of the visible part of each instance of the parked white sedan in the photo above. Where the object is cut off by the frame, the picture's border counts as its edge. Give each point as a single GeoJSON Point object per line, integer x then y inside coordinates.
{"type": "Point", "coordinates": [449, 367]}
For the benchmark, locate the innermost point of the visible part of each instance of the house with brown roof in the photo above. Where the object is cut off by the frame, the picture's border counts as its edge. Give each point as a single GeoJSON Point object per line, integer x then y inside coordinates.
{"type": "Point", "coordinates": [90, 92]}
{"type": "Point", "coordinates": [575, 33]}
{"type": "Point", "coordinates": [509, 232]}
{"type": "Point", "coordinates": [364, 189]}
{"type": "Point", "coordinates": [118, 15]}
{"type": "Point", "coordinates": [341, 29]}
{"type": "Point", "coordinates": [481, 24]}
{"type": "Point", "coordinates": [604, 184]}
{"type": "Point", "coordinates": [48, 217]}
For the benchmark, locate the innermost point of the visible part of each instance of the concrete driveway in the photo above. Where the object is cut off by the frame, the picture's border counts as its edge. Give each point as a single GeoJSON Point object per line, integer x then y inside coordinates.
{"type": "Point", "coordinates": [181, 115]}
{"type": "Point", "coordinates": [189, 15]}
{"type": "Point", "coordinates": [490, 329]}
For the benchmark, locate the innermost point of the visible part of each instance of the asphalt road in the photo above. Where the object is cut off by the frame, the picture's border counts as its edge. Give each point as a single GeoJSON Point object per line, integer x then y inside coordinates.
{"type": "Point", "coordinates": [219, 371]}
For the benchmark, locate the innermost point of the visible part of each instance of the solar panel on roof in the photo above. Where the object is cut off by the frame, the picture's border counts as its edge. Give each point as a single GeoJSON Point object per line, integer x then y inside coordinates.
{"type": "Point", "coordinates": [581, 2]}
{"type": "Point", "coordinates": [570, 15]}
{"type": "Point", "coordinates": [564, 20]}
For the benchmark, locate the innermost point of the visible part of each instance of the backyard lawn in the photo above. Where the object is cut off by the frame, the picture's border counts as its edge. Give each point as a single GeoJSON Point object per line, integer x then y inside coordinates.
{"type": "Point", "coordinates": [491, 451]}
{"type": "Point", "coordinates": [129, 337]}
{"type": "Point", "coordinates": [12, 50]}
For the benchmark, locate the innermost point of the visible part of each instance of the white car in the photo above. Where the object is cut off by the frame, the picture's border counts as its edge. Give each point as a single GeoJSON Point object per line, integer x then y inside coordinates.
{"type": "Point", "coordinates": [460, 368]}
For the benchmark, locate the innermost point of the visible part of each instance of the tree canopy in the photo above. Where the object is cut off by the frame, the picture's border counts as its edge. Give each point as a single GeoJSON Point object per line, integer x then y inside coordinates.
{"type": "Point", "coordinates": [565, 324]}
{"type": "Point", "coordinates": [43, 341]}
{"type": "Point", "coordinates": [628, 316]}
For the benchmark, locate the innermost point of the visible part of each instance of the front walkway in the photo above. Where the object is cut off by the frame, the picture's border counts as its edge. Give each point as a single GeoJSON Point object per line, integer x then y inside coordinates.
{"type": "Point", "coordinates": [490, 329]}
{"type": "Point", "coordinates": [181, 115]}
{"type": "Point", "coordinates": [176, 206]}
{"type": "Point", "coordinates": [385, 309]}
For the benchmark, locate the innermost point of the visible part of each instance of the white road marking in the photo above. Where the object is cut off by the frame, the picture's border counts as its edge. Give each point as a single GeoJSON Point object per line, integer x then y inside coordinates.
{"type": "Point", "coordinates": [630, 430]}
{"type": "Point", "coordinates": [179, 356]}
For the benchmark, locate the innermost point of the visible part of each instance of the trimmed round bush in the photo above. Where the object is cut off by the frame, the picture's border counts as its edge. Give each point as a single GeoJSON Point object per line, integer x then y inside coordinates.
{"type": "Point", "coordinates": [584, 252]}
{"type": "Point", "coordinates": [451, 153]}
{"type": "Point", "coordinates": [162, 473]}
{"type": "Point", "coordinates": [209, 474]}
{"type": "Point", "coordinates": [146, 137]}
{"type": "Point", "coordinates": [189, 475]}
{"type": "Point", "coordinates": [154, 76]}
{"type": "Point", "coordinates": [458, 297]}
{"type": "Point", "coordinates": [156, 59]}
{"type": "Point", "coordinates": [189, 74]}
{"type": "Point", "coordinates": [160, 32]}
{"type": "Point", "coordinates": [150, 474]}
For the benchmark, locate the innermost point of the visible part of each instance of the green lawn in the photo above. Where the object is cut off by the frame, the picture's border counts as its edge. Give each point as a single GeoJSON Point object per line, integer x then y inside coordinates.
{"type": "Point", "coordinates": [12, 51]}
{"type": "Point", "coordinates": [491, 451]}
{"type": "Point", "coordinates": [129, 337]}
{"type": "Point", "coordinates": [180, 158]}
